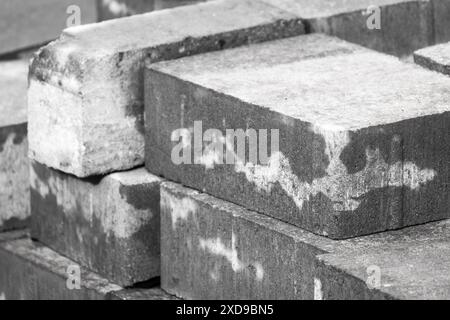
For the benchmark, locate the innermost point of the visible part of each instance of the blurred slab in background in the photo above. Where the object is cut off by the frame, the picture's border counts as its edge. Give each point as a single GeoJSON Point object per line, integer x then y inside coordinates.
{"type": "Point", "coordinates": [14, 191]}
{"type": "Point", "coordinates": [25, 23]}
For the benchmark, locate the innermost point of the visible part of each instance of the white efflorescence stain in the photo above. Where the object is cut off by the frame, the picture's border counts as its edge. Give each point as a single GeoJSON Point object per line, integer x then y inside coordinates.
{"type": "Point", "coordinates": [318, 292]}
{"type": "Point", "coordinates": [180, 209]}
{"type": "Point", "coordinates": [2, 296]}
{"type": "Point", "coordinates": [343, 188]}
{"type": "Point", "coordinates": [218, 248]}
{"type": "Point", "coordinates": [13, 180]}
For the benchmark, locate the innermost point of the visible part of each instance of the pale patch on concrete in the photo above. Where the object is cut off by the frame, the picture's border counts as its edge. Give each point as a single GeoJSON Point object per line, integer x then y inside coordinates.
{"type": "Point", "coordinates": [115, 7]}
{"type": "Point", "coordinates": [217, 247]}
{"type": "Point", "coordinates": [2, 296]}
{"type": "Point", "coordinates": [119, 217]}
{"type": "Point", "coordinates": [338, 185]}
{"type": "Point", "coordinates": [55, 134]}
{"type": "Point", "coordinates": [103, 201]}
{"type": "Point", "coordinates": [318, 293]}
{"type": "Point", "coordinates": [14, 185]}
{"type": "Point", "coordinates": [180, 209]}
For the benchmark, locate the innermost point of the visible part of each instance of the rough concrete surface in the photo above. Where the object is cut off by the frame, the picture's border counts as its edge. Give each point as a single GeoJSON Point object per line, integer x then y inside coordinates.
{"type": "Point", "coordinates": [361, 149]}
{"type": "Point", "coordinates": [405, 25]}
{"type": "Point", "coordinates": [436, 58]}
{"type": "Point", "coordinates": [142, 294]}
{"type": "Point", "coordinates": [14, 190]}
{"type": "Point", "coordinates": [26, 23]}
{"type": "Point", "coordinates": [409, 264]}
{"type": "Point", "coordinates": [85, 127]}
{"type": "Point", "coordinates": [31, 271]}
{"type": "Point", "coordinates": [212, 249]}
{"type": "Point", "coordinates": [110, 224]}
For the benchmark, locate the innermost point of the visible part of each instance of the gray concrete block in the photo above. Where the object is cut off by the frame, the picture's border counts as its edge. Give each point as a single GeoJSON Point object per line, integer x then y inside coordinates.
{"type": "Point", "coordinates": [363, 137]}
{"type": "Point", "coordinates": [213, 249]}
{"type": "Point", "coordinates": [113, 9]}
{"type": "Point", "coordinates": [141, 294]}
{"type": "Point", "coordinates": [109, 225]}
{"type": "Point", "coordinates": [31, 271]}
{"type": "Point", "coordinates": [84, 126]}
{"type": "Point", "coordinates": [14, 190]}
{"type": "Point", "coordinates": [410, 264]}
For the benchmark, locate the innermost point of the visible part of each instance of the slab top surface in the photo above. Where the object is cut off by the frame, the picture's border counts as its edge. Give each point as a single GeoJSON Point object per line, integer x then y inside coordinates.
{"type": "Point", "coordinates": [327, 82]}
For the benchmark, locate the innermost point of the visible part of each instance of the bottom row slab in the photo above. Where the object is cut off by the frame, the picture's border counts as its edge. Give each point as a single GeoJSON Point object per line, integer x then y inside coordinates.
{"type": "Point", "coordinates": [212, 249]}
{"type": "Point", "coordinates": [31, 271]}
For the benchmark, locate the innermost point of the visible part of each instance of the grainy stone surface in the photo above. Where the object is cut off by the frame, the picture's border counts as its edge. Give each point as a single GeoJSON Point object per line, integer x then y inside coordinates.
{"type": "Point", "coordinates": [31, 271]}
{"type": "Point", "coordinates": [27, 23]}
{"type": "Point", "coordinates": [141, 294]}
{"type": "Point", "coordinates": [363, 137]}
{"type": "Point", "coordinates": [405, 25]}
{"type": "Point", "coordinates": [409, 264]}
{"type": "Point", "coordinates": [84, 126]}
{"type": "Point", "coordinates": [212, 249]}
{"type": "Point", "coordinates": [436, 58]}
{"type": "Point", "coordinates": [14, 190]}
{"type": "Point", "coordinates": [110, 225]}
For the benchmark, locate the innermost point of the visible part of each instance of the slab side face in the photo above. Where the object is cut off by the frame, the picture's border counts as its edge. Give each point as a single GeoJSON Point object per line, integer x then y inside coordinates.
{"type": "Point", "coordinates": [85, 127]}
{"type": "Point", "coordinates": [360, 150]}
{"type": "Point", "coordinates": [212, 249]}
{"type": "Point", "coordinates": [14, 189]}
{"type": "Point", "coordinates": [31, 271]}
{"type": "Point", "coordinates": [109, 225]}
{"type": "Point", "coordinates": [435, 58]}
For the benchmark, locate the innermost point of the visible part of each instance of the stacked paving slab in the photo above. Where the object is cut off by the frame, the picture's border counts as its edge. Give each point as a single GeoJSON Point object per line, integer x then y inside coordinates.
{"type": "Point", "coordinates": [346, 199]}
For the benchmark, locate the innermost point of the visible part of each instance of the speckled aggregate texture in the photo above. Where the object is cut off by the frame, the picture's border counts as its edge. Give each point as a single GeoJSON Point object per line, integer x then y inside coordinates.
{"type": "Point", "coordinates": [411, 264]}
{"type": "Point", "coordinates": [212, 249]}
{"type": "Point", "coordinates": [86, 127]}
{"type": "Point", "coordinates": [14, 190]}
{"type": "Point", "coordinates": [363, 137]}
{"type": "Point", "coordinates": [109, 224]}
{"type": "Point", "coordinates": [31, 271]}
{"type": "Point", "coordinates": [436, 58]}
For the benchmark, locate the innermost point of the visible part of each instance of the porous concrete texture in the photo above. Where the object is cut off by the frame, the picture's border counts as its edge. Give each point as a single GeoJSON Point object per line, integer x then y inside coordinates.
{"type": "Point", "coordinates": [141, 294]}
{"type": "Point", "coordinates": [31, 271]}
{"type": "Point", "coordinates": [109, 225]}
{"type": "Point", "coordinates": [27, 23]}
{"type": "Point", "coordinates": [212, 249]}
{"type": "Point", "coordinates": [84, 126]}
{"type": "Point", "coordinates": [409, 264]}
{"type": "Point", "coordinates": [404, 25]}
{"type": "Point", "coordinates": [363, 137]}
{"type": "Point", "coordinates": [436, 58]}
{"type": "Point", "coordinates": [14, 190]}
